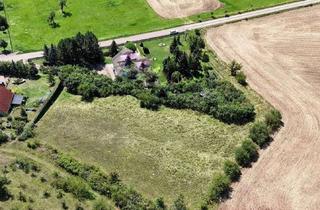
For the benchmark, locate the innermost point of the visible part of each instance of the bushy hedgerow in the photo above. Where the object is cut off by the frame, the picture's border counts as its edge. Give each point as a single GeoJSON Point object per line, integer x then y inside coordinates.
{"type": "Point", "coordinates": [259, 133]}
{"type": "Point", "coordinates": [124, 197]}
{"type": "Point", "coordinates": [246, 153]}
{"type": "Point", "coordinates": [273, 120]}
{"type": "Point", "coordinates": [75, 186]}
{"type": "Point", "coordinates": [232, 170]}
{"type": "Point", "coordinates": [220, 188]}
{"type": "Point", "coordinates": [19, 70]}
{"type": "Point", "coordinates": [210, 96]}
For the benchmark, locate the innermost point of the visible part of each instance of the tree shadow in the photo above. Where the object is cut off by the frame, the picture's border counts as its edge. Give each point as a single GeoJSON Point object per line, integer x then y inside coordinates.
{"type": "Point", "coordinates": [67, 14]}
{"type": "Point", "coordinates": [55, 25]}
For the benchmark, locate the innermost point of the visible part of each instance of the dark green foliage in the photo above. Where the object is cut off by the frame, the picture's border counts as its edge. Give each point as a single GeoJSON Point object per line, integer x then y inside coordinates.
{"type": "Point", "coordinates": [4, 193]}
{"type": "Point", "coordinates": [131, 46]}
{"type": "Point", "coordinates": [3, 137]}
{"type": "Point", "coordinates": [51, 19]}
{"type": "Point", "coordinates": [149, 101]}
{"type": "Point", "coordinates": [75, 186]}
{"type": "Point", "coordinates": [259, 133]}
{"type": "Point", "coordinates": [3, 44]}
{"type": "Point", "coordinates": [25, 165]}
{"type": "Point", "coordinates": [1, 6]}
{"type": "Point", "coordinates": [241, 78]}
{"type": "Point", "coordinates": [146, 51]}
{"type": "Point", "coordinates": [232, 170]}
{"type": "Point", "coordinates": [234, 67]}
{"type": "Point", "coordinates": [19, 70]}
{"type": "Point", "coordinates": [160, 204]}
{"type": "Point", "coordinates": [179, 203]}
{"type": "Point", "coordinates": [3, 23]}
{"type": "Point", "coordinates": [273, 120]}
{"type": "Point", "coordinates": [51, 79]}
{"type": "Point", "coordinates": [82, 50]}
{"type": "Point", "coordinates": [113, 49]}
{"type": "Point", "coordinates": [220, 188]}
{"type": "Point", "coordinates": [33, 144]}
{"type": "Point", "coordinates": [246, 153]}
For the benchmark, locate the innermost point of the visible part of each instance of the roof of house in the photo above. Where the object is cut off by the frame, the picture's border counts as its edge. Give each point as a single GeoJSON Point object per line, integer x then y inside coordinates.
{"type": "Point", "coordinates": [6, 97]}
{"type": "Point", "coordinates": [17, 100]}
{"type": "Point", "coordinates": [119, 60]}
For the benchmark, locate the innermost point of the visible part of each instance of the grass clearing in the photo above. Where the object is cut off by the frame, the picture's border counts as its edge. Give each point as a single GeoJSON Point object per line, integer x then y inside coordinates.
{"type": "Point", "coordinates": [106, 18]}
{"type": "Point", "coordinates": [160, 153]}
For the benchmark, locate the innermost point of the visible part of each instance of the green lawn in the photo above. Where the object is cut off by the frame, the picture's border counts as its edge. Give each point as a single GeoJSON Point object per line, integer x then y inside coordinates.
{"type": "Point", "coordinates": [106, 18]}
{"type": "Point", "coordinates": [232, 7]}
{"type": "Point", "coordinates": [34, 90]}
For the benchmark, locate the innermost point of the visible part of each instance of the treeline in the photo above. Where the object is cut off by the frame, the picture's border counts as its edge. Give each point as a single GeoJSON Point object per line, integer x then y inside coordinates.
{"type": "Point", "coordinates": [19, 70]}
{"type": "Point", "coordinates": [82, 50]}
{"type": "Point", "coordinates": [259, 136]}
{"type": "Point", "coordinates": [210, 96]}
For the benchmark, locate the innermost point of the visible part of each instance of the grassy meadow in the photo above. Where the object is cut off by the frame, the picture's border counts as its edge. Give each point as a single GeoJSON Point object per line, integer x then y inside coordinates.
{"type": "Point", "coordinates": [106, 18]}
{"type": "Point", "coordinates": [160, 154]}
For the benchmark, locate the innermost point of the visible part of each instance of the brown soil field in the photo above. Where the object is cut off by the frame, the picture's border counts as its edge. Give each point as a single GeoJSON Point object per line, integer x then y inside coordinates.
{"type": "Point", "coordinates": [281, 58]}
{"type": "Point", "coordinates": [182, 8]}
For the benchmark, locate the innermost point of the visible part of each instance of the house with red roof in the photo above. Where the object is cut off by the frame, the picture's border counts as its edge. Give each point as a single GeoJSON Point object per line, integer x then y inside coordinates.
{"type": "Point", "coordinates": [8, 99]}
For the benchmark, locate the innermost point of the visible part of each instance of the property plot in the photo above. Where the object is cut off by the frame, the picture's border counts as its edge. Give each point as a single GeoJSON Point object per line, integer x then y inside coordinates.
{"type": "Point", "coordinates": [182, 8]}
{"type": "Point", "coordinates": [280, 55]}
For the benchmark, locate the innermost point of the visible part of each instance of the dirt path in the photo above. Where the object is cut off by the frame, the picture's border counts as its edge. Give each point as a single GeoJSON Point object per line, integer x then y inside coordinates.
{"type": "Point", "coordinates": [281, 57]}
{"type": "Point", "coordinates": [183, 8]}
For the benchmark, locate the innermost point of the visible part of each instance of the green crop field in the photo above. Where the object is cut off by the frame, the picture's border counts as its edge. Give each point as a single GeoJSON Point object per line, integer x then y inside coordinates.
{"type": "Point", "coordinates": [106, 18]}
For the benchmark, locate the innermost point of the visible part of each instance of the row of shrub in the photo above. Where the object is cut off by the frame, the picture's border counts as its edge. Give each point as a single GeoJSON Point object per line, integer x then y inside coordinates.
{"type": "Point", "coordinates": [19, 70]}
{"type": "Point", "coordinates": [110, 186]}
{"type": "Point", "coordinates": [245, 154]}
{"type": "Point", "coordinates": [211, 96]}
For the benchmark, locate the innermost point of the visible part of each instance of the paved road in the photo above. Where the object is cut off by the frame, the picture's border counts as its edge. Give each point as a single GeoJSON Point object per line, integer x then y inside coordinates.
{"type": "Point", "coordinates": [180, 29]}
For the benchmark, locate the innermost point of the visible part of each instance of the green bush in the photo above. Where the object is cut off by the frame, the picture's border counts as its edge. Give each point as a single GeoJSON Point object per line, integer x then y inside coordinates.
{"type": "Point", "coordinates": [75, 186]}
{"type": "Point", "coordinates": [33, 144]}
{"type": "Point", "coordinates": [3, 137]}
{"type": "Point", "coordinates": [101, 205]}
{"type": "Point", "coordinates": [241, 78]}
{"type": "Point", "coordinates": [131, 46]}
{"type": "Point", "coordinates": [220, 188]}
{"type": "Point", "coordinates": [179, 203]}
{"type": "Point", "coordinates": [273, 120]}
{"type": "Point", "coordinates": [259, 133]}
{"type": "Point", "coordinates": [246, 153]}
{"type": "Point", "coordinates": [232, 170]}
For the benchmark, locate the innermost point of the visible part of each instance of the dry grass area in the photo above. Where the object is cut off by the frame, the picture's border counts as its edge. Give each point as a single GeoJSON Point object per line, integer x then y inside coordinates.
{"type": "Point", "coordinates": [183, 8]}
{"type": "Point", "coordinates": [161, 153]}
{"type": "Point", "coordinates": [281, 57]}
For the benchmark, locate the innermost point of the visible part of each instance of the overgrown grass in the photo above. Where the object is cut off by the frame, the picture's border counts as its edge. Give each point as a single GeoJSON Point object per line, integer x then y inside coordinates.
{"type": "Point", "coordinates": [35, 187]}
{"type": "Point", "coordinates": [106, 18]}
{"type": "Point", "coordinates": [160, 153]}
